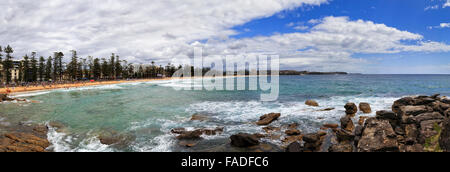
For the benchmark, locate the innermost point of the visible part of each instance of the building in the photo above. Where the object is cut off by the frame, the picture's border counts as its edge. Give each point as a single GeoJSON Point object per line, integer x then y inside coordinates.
{"type": "Point", "coordinates": [15, 72]}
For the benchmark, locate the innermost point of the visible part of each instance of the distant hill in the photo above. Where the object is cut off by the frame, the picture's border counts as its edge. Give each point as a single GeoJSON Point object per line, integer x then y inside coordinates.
{"type": "Point", "coordinates": [294, 72]}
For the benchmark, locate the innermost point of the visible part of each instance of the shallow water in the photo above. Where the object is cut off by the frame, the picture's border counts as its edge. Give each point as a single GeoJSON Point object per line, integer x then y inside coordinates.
{"type": "Point", "coordinates": [147, 111]}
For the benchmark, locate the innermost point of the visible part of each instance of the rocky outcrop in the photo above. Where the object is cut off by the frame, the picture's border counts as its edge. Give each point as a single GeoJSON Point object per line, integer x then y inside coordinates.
{"type": "Point", "coordinates": [268, 118]}
{"type": "Point", "coordinates": [199, 117]}
{"type": "Point", "coordinates": [347, 123]}
{"type": "Point", "coordinates": [311, 103]}
{"type": "Point", "coordinates": [244, 140]}
{"type": "Point", "coordinates": [294, 147]}
{"type": "Point", "coordinates": [292, 132]}
{"type": "Point", "coordinates": [183, 134]}
{"type": "Point", "coordinates": [365, 107]}
{"type": "Point", "coordinates": [444, 138]}
{"type": "Point", "coordinates": [378, 136]}
{"type": "Point", "coordinates": [351, 109]}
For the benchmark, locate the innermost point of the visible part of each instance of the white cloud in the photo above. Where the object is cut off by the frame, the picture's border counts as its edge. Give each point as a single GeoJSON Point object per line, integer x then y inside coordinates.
{"type": "Point", "coordinates": [447, 4]}
{"type": "Point", "coordinates": [330, 45]}
{"type": "Point", "coordinates": [433, 7]}
{"type": "Point", "coordinates": [441, 26]}
{"type": "Point", "coordinates": [157, 29]}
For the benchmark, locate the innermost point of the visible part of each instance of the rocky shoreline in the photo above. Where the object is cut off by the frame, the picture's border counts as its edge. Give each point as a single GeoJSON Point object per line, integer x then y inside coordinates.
{"type": "Point", "coordinates": [415, 124]}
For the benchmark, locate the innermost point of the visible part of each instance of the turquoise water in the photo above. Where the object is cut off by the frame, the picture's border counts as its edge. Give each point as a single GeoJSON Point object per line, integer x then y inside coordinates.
{"type": "Point", "coordinates": [147, 111]}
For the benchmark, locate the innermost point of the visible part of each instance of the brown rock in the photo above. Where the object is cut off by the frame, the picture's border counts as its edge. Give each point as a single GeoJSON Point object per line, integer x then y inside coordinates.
{"type": "Point", "coordinates": [244, 140]}
{"type": "Point", "coordinates": [311, 103]}
{"type": "Point", "coordinates": [347, 123]}
{"type": "Point", "coordinates": [331, 126]}
{"type": "Point", "coordinates": [444, 138]}
{"type": "Point", "coordinates": [351, 108]}
{"type": "Point", "coordinates": [294, 147]}
{"type": "Point", "coordinates": [268, 118]}
{"type": "Point", "coordinates": [270, 129]}
{"type": "Point", "coordinates": [378, 136]}
{"type": "Point", "coordinates": [406, 101]}
{"type": "Point", "coordinates": [365, 107]}
{"type": "Point", "coordinates": [199, 117]}
{"type": "Point", "coordinates": [190, 135]}
{"type": "Point", "coordinates": [22, 142]}
{"type": "Point", "coordinates": [413, 110]}
{"type": "Point", "coordinates": [362, 119]}
{"type": "Point", "coordinates": [292, 132]}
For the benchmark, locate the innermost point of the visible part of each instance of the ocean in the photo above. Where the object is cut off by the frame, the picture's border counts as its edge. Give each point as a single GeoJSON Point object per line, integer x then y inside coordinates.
{"type": "Point", "coordinates": [144, 113]}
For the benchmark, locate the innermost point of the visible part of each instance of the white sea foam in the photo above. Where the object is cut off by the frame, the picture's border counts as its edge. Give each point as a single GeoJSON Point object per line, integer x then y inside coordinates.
{"type": "Point", "coordinates": [29, 94]}
{"type": "Point", "coordinates": [62, 142]}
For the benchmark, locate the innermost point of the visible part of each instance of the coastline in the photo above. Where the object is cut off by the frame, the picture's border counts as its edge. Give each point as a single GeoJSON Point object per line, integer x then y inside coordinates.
{"type": "Point", "coordinates": [32, 89]}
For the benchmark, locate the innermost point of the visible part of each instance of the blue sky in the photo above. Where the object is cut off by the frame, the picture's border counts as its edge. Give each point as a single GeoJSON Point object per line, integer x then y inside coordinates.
{"type": "Point", "coordinates": [406, 15]}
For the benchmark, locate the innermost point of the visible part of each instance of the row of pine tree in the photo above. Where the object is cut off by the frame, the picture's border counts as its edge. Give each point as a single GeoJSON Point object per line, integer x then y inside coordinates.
{"type": "Point", "coordinates": [54, 68]}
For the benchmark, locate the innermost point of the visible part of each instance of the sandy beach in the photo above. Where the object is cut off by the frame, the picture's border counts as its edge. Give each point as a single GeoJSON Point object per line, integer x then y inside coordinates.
{"type": "Point", "coordinates": [12, 90]}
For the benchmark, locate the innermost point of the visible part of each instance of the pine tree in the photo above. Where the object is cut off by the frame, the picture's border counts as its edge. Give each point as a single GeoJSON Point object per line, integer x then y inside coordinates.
{"type": "Point", "coordinates": [34, 69]}
{"type": "Point", "coordinates": [8, 64]}
{"type": "Point", "coordinates": [73, 66]}
{"type": "Point", "coordinates": [41, 68]}
{"type": "Point", "coordinates": [118, 67]}
{"type": "Point", "coordinates": [112, 64]}
{"type": "Point", "coordinates": [25, 69]}
{"type": "Point", "coordinates": [1, 64]}
{"type": "Point", "coordinates": [96, 70]}
{"type": "Point", "coordinates": [105, 69]}
{"type": "Point", "coordinates": [48, 69]}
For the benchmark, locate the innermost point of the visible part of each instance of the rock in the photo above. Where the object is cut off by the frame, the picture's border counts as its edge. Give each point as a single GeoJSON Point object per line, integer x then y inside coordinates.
{"type": "Point", "coordinates": [311, 138]}
{"type": "Point", "coordinates": [326, 109]}
{"type": "Point", "coordinates": [344, 135]}
{"type": "Point", "coordinates": [378, 136]}
{"type": "Point", "coordinates": [187, 144]}
{"type": "Point", "coordinates": [424, 101]}
{"type": "Point", "coordinates": [292, 132]}
{"type": "Point", "coordinates": [190, 135]}
{"type": "Point", "coordinates": [290, 139]}
{"type": "Point", "coordinates": [4, 97]}
{"type": "Point", "coordinates": [413, 110]}
{"type": "Point", "coordinates": [178, 130]}
{"type": "Point", "coordinates": [294, 147]}
{"type": "Point", "coordinates": [429, 134]}
{"type": "Point", "coordinates": [446, 101]}
{"type": "Point", "coordinates": [444, 139]}
{"type": "Point", "coordinates": [270, 129]}
{"type": "Point", "coordinates": [268, 118]}
{"type": "Point", "coordinates": [347, 123]}
{"type": "Point", "coordinates": [244, 140]}
{"type": "Point", "coordinates": [22, 142]}
{"type": "Point", "coordinates": [362, 119]}
{"type": "Point", "coordinates": [411, 133]}
{"type": "Point", "coordinates": [351, 108]}
{"type": "Point", "coordinates": [428, 116]}
{"type": "Point", "coordinates": [199, 117]}
{"type": "Point", "coordinates": [365, 107]}
{"type": "Point", "coordinates": [392, 117]}
{"type": "Point", "coordinates": [414, 148]}
{"type": "Point", "coordinates": [406, 101]}
{"type": "Point", "coordinates": [55, 124]}
{"type": "Point", "coordinates": [331, 126]}
{"type": "Point", "coordinates": [341, 147]}
{"type": "Point", "coordinates": [210, 132]}
{"type": "Point", "coordinates": [359, 130]}
{"type": "Point", "coordinates": [311, 103]}
{"type": "Point", "coordinates": [259, 136]}
{"type": "Point", "coordinates": [447, 113]}
{"type": "Point", "coordinates": [292, 126]}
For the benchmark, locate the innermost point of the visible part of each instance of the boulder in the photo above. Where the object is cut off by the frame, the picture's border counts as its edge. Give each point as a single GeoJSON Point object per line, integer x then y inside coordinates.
{"type": "Point", "coordinates": [311, 103]}
{"type": "Point", "coordinates": [4, 97]}
{"type": "Point", "coordinates": [413, 110]}
{"type": "Point", "coordinates": [199, 117]}
{"type": "Point", "coordinates": [270, 129]}
{"type": "Point", "coordinates": [351, 108]}
{"type": "Point", "coordinates": [268, 118]}
{"type": "Point", "coordinates": [178, 130]}
{"type": "Point", "coordinates": [344, 136]}
{"type": "Point", "coordinates": [406, 101]}
{"type": "Point", "coordinates": [445, 100]}
{"type": "Point", "coordinates": [244, 140]}
{"type": "Point", "coordinates": [331, 126]}
{"type": "Point", "coordinates": [311, 138]}
{"type": "Point", "coordinates": [190, 135]}
{"type": "Point", "coordinates": [341, 147]}
{"type": "Point", "coordinates": [347, 123]}
{"type": "Point", "coordinates": [292, 132]}
{"type": "Point", "coordinates": [378, 136]}
{"type": "Point", "coordinates": [444, 139]}
{"type": "Point", "coordinates": [292, 126]}
{"type": "Point", "coordinates": [424, 100]}
{"type": "Point", "coordinates": [294, 147]}
{"type": "Point", "coordinates": [429, 134]}
{"type": "Point", "coordinates": [23, 142]}
{"type": "Point", "coordinates": [365, 107]}
{"type": "Point", "coordinates": [411, 133]}
{"type": "Point", "coordinates": [392, 117]}
{"type": "Point", "coordinates": [428, 116]}
{"type": "Point", "coordinates": [362, 119]}
{"type": "Point", "coordinates": [211, 132]}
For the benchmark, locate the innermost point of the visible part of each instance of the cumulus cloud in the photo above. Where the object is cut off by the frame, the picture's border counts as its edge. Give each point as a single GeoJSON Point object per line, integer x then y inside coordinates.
{"type": "Point", "coordinates": [330, 45]}
{"type": "Point", "coordinates": [142, 29]}
{"type": "Point", "coordinates": [447, 4]}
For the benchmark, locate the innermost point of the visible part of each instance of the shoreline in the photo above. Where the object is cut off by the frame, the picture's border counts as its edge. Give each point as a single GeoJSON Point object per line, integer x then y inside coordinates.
{"type": "Point", "coordinates": [14, 91]}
